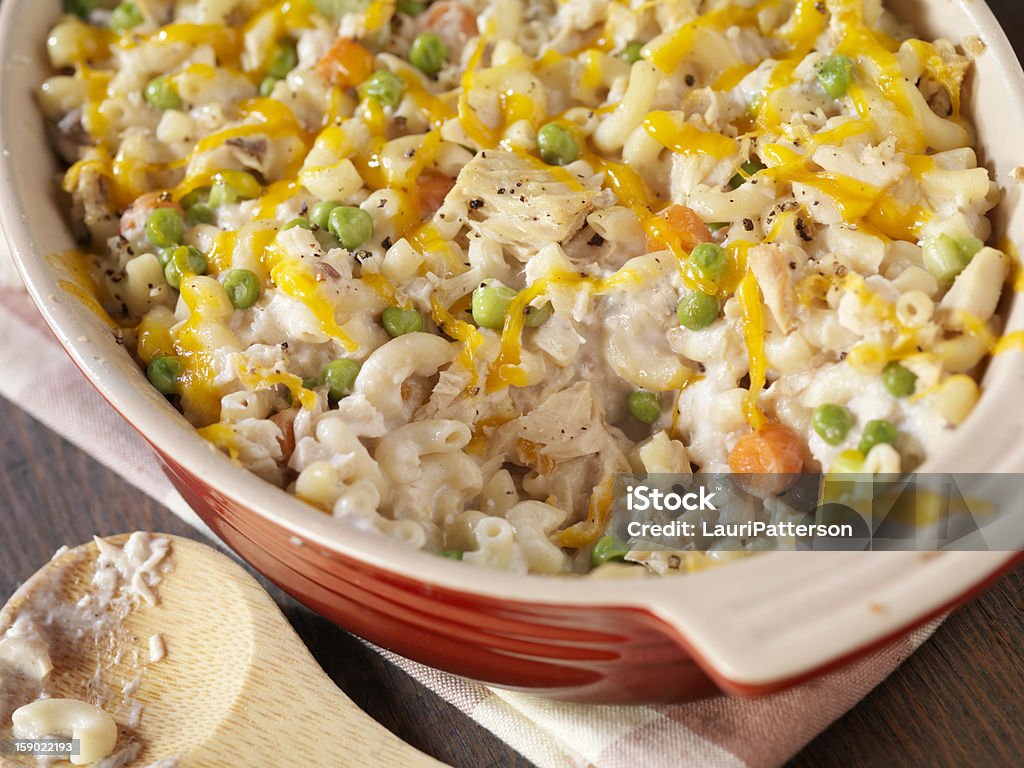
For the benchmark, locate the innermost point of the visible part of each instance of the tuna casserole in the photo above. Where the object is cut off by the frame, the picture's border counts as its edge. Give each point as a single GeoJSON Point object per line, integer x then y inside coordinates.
{"type": "Point", "coordinates": [443, 269]}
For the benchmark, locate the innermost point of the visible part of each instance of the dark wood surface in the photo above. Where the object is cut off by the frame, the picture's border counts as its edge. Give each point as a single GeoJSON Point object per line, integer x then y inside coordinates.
{"type": "Point", "coordinates": [959, 701]}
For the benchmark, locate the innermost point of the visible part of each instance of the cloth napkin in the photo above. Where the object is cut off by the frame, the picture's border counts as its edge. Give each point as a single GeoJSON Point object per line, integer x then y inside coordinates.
{"type": "Point", "coordinates": [715, 733]}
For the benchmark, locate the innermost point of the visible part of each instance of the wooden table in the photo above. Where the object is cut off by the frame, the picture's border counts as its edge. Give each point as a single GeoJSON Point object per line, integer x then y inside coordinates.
{"type": "Point", "coordinates": [957, 702]}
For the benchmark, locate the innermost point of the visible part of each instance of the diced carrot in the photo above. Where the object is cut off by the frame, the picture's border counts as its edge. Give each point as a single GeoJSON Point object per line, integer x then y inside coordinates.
{"type": "Point", "coordinates": [432, 189]}
{"type": "Point", "coordinates": [346, 64]}
{"type": "Point", "coordinates": [774, 453]}
{"type": "Point", "coordinates": [452, 22]}
{"type": "Point", "coordinates": [686, 225]}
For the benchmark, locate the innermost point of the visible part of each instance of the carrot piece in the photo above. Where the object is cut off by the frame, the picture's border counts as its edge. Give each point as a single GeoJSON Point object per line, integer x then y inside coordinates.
{"type": "Point", "coordinates": [432, 189]}
{"type": "Point", "coordinates": [774, 453]}
{"type": "Point", "coordinates": [686, 225]}
{"type": "Point", "coordinates": [346, 64]}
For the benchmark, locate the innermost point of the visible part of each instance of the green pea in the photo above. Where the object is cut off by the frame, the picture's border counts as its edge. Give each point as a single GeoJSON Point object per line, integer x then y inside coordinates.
{"type": "Point", "coordinates": [267, 86]}
{"type": "Point", "coordinates": [946, 257]}
{"type": "Point", "coordinates": [242, 287]}
{"type": "Point", "coordinates": [632, 52]}
{"type": "Point", "coordinates": [184, 260]}
{"type": "Point", "coordinates": [876, 432]}
{"type": "Point", "coordinates": [384, 86]}
{"type": "Point", "coordinates": [339, 376]}
{"type": "Point", "coordinates": [125, 17]}
{"type": "Point", "coordinates": [644, 406]}
{"type": "Point", "coordinates": [452, 554]}
{"type": "Point", "coordinates": [428, 53]}
{"type": "Point", "coordinates": [898, 380]}
{"type": "Point", "coordinates": [283, 60]}
{"type": "Point", "coordinates": [200, 213]}
{"type": "Point", "coordinates": [832, 422]}
{"type": "Point", "coordinates": [172, 275]}
{"type": "Point", "coordinates": [411, 7]}
{"type": "Point", "coordinates": [190, 260]}
{"type": "Point", "coordinates": [609, 548]}
{"type": "Point", "coordinates": [490, 303]}
{"type": "Point", "coordinates": [557, 145]}
{"type": "Point", "coordinates": [320, 214]}
{"type": "Point", "coordinates": [301, 222]}
{"type": "Point", "coordinates": [398, 321]}
{"type": "Point", "coordinates": [709, 261]}
{"type": "Point", "coordinates": [352, 226]}
{"type": "Point", "coordinates": [161, 93]}
{"type": "Point", "coordinates": [164, 254]}
{"type": "Point", "coordinates": [836, 75]}
{"type": "Point", "coordinates": [535, 317]}
{"type": "Point", "coordinates": [232, 186]}
{"type": "Point", "coordinates": [697, 310]}
{"type": "Point", "coordinates": [195, 196]}
{"type": "Point", "coordinates": [80, 8]}
{"type": "Point", "coordinates": [747, 170]}
{"type": "Point", "coordinates": [163, 373]}
{"type": "Point", "coordinates": [165, 227]}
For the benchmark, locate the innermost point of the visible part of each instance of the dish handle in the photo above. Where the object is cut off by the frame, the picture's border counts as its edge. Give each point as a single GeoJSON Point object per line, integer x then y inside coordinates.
{"type": "Point", "coordinates": [775, 620]}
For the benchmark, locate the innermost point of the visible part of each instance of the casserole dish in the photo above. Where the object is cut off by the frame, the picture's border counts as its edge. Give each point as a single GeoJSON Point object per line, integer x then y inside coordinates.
{"type": "Point", "coordinates": [751, 628]}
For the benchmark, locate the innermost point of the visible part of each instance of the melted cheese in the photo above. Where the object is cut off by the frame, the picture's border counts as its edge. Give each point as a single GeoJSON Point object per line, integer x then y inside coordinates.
{"type": "Point", "coordinates": [866, 46]}
{"type": "Point", "coordinates": [222, 253]}
{"type": "Point", "coordinates": [83, 283]}
{"type": "Point", "coordinates": [460, 330]}
{"type": "Point", "coordinates": [668, 51]}
{"type": "Point", "coordinates": [275, 194]}
{"type": "Point", "coordinates": [855, 200]}
{"type": "Point", "coordinates": [949, 76]}
{"type": "Point", "coordinates": [154, 339]}
{"type": "Point", "coordinates": [222, 434]}
{"type": "Point", "coordinates": [271, 119]}
{"type": "Point", "coordinates": [685, 138]}
{"type": "Point", "coordinates": [1011, 342]}
{"type": "Point", "coordinates": [226, 41]}
{"type": "Point", "coordinates": [296, 280]}
{"type": "Point", "coordinates": [584, 533]}
{"type": "Point", "coordinates": [749, 296]}
{"type": "Point", "coordinates": [477, 131]}
{"type": "Point", "coordinates": [196, 384]}
{"type": "Point", "coordinates": [256, 379]}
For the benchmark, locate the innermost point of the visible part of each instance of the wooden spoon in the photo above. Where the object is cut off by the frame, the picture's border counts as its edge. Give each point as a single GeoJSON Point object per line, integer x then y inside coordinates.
{"type": "Point", "coordinates": [237, 686]}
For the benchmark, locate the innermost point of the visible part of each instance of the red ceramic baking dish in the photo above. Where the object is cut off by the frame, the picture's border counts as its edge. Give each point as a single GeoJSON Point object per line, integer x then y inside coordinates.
{"type": "Point", "coordinates": [749, 628]}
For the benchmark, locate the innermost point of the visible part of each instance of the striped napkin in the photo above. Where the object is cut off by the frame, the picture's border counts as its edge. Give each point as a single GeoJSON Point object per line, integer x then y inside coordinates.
{"type": "Point", "coordinates": [715, 733]}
